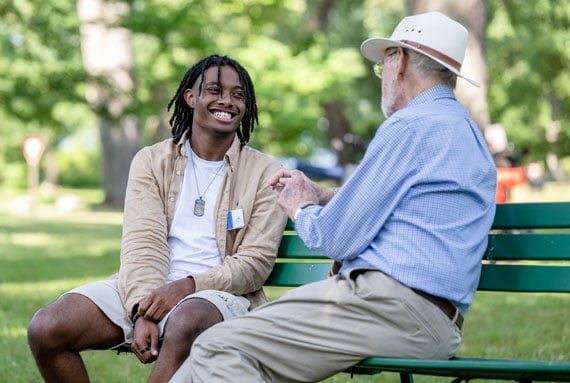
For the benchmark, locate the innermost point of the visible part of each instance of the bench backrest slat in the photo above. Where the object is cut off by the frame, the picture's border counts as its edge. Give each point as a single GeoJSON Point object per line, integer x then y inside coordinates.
{"type": "Point", "coordinates": [525, 278]}
{"type": "Point", "coordinates": [532, 215]}
{"type": "Point", "coordinates": [296, 274]}
{"type": "Point", "coordinates": [293, 247]}
{"type": "Point", "coordinates": [528, 246]}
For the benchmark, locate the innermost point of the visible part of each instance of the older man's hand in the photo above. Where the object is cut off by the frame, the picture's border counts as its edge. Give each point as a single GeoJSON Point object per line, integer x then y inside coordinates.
{"type": "Point", "coordinates": [294, 190]}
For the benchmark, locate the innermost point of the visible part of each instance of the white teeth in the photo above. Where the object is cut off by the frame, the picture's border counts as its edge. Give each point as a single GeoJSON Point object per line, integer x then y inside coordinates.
{"type": "Point", "coordinates": [223, 115]}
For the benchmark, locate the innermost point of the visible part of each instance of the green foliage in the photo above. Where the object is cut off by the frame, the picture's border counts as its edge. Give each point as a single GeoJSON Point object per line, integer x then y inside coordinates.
{"type": "Point", "coordinates": [79, 168]}
{"type": "Point", "coordinates": [41, 63]}
{"type": "Point", "coordinates": [14, 175]}
{"type": "Point", "coordinates": [297, 64]}
{"type": "Point", "coordinates": [301, 54]}
{"type": "Point", "coordinates": [41, 78]}
{"type": "Point", "coordinates": [528, 59]}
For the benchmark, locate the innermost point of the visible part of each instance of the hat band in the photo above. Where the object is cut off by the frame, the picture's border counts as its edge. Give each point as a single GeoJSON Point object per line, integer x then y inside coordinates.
{"type": "Point", "coordinates": [446, 59]}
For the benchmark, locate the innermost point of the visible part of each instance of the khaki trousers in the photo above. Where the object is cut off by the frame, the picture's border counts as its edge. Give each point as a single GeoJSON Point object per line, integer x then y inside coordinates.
{"type": "Point", "coordinates": [319, 329]}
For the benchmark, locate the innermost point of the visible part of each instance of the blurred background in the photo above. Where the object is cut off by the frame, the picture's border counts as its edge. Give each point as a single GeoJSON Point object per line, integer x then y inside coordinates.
{"type": "Point", "coordinates": [84, 84]}
{"type": "Point", "coordinates": [90, 80]}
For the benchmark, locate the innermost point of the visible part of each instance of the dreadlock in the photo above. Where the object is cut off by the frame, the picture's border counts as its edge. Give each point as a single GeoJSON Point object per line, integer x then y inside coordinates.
{"type": "Point", "coordinates": [181, 119]}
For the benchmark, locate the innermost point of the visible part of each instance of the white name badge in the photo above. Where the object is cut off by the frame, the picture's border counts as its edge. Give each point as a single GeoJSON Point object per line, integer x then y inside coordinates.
{"type": "Point", "coordinates": [235, 219]}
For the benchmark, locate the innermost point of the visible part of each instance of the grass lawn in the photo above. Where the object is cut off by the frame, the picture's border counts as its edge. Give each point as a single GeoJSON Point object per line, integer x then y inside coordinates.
{"type": "Point", "coordinates": [46, 252]}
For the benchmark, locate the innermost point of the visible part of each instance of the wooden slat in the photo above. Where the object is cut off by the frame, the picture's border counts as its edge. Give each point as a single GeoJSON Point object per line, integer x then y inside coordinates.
{"type": "Point", "coordinates": [523, 246]}
{"type": "Point", "coordinates": [293, 247]}
{"type": "Point", "coordinates": [525, 278]}
{"type": "Point", "coordinates": [522, 216]}
{"type": "Point", "coordinates": [532, 215]}
{"type": "Point", "coordinates": [297, 274]}
{"type": "Point", "coordinates": [528, 246]}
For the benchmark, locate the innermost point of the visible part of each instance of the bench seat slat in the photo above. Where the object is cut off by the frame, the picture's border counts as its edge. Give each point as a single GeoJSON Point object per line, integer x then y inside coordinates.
{"type": "Point", "coordinates": [470, 368]}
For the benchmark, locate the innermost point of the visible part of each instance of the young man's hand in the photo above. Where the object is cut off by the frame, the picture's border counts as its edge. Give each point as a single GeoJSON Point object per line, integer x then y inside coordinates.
{"type": "Point", "coordinates": [155, 305]}
{"type": "Point", "coordinates": [145, 340]}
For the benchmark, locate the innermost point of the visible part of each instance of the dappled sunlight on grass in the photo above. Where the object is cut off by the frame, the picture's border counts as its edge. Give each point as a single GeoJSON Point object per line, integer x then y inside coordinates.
{"type": "Point", "coordinates": [59, 248]}
{"type": "Point", "coordinates": [45, 288]}
{"type": "Point", "coordinates": [512, 325]}
{"type": "Point", "coordinates": [44, 254]}
{"type": "Point", "coordinates": [104, 217]}
{"type": "Point", "coordinates": [12, 332]}
{"type": "Point", "coordinates": [32, 239]}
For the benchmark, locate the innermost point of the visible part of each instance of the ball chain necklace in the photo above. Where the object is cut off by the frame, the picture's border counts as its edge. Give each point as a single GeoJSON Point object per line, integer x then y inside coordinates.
{"type": "Point", "coordinates": [200, 203]}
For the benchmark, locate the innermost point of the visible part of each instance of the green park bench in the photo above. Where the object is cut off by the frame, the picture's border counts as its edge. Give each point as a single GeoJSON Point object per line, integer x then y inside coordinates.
{"type": "Point", "coordinates": [528, 252]}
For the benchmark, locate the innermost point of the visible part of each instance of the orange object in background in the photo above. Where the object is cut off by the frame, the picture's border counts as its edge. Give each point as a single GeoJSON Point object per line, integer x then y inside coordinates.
{"type": "Point", "coordinates": [506, 179]}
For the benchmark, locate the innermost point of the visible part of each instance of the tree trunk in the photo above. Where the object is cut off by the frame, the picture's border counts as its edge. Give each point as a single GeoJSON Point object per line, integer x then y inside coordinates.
{"type": "Point", "coordinates": [339, 126]}
{"type": "Point", "coordinates": [552, 136]}
{"type": "Point", "coordinates": [473, 15]}
{"type": "Point", "coordinates": [108, 62]}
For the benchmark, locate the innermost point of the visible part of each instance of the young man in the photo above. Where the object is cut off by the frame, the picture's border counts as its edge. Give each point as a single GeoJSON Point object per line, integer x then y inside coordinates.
{"type": "Point", "coordinates": [200, 235]}
{"type": "Point", "coordinates": [408, 231]}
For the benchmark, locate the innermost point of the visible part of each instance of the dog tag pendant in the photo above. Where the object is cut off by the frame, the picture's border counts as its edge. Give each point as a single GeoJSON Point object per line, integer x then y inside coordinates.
{"type": "Point", "coordinates": [199, 206]}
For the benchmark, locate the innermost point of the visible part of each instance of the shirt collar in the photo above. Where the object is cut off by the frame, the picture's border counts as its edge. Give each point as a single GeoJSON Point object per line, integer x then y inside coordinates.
{"type": "Point", "coordinates": [231, 157]}
{"type": "Point", "coordinates": [438, 91]}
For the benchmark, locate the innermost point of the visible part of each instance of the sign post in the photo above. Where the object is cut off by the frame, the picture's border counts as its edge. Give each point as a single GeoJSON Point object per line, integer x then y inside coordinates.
{"type": "Point", "coordinates": [33, 148]}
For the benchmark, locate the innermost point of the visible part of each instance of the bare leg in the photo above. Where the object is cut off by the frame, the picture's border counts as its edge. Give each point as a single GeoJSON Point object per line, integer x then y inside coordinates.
{"type": "Point", "coordinates": [189, 320]}
{"type": "Point", "coordinates": [59, 331]}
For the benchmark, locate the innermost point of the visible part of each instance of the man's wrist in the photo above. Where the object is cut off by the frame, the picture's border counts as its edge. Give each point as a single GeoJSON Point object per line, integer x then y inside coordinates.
{"type": "Point", "coordinates": [134, 312]}
{"type": "Point", "coordinates": [191, 282]}
{"type": "Point", "coordinates": [299, 210]}
{"type": "Point", "coordinates": [135, 317]}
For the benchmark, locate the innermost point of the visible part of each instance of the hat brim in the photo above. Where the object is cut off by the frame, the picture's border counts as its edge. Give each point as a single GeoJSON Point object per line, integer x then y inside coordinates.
{"type": "Point", "coordinates": [373, 49]}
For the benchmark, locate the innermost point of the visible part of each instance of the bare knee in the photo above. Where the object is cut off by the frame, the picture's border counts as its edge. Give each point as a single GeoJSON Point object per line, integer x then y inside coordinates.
{"type": "Point", "coordinates": [190, 319]}
{"type": "Point", "coordinates": [71, 323]}
{"type": "Point", "coordinates": [45, 330]}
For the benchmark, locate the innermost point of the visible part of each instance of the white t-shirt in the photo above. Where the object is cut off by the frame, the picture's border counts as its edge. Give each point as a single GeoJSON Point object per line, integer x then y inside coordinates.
{"type": "Point", "coordinates": [194, 251]}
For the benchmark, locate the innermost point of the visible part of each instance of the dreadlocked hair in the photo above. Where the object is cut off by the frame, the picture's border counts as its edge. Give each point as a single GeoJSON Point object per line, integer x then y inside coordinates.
{"type": "Point", "coordinates": [181, 119]}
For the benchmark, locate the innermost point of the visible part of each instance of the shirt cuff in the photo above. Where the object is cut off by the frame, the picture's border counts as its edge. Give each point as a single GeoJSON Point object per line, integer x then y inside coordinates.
{"type": "Point", "coordinates": [299, 210]}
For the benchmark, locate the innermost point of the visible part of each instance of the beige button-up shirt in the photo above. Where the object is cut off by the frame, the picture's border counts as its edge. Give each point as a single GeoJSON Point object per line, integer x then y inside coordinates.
{"type": "Point", "coordinates": [248, 254]}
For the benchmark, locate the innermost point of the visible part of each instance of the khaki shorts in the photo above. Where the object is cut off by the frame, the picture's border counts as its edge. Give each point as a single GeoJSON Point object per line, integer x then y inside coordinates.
{"type": "Point", "coordinates": [105, 294]}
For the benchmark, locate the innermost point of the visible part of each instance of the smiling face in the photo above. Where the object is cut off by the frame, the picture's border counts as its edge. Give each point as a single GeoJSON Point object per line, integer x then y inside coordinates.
{"type": "Point", "coordinates": [219, 105]}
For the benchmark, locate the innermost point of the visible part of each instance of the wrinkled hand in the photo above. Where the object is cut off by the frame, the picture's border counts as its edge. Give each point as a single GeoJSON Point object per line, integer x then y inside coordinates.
{"type": "Point", "coordinates": [294, 190]}
{"type": "Point", "coordinates": [145, 340]}
{"type": "Point", "coordinates": [155, 305]}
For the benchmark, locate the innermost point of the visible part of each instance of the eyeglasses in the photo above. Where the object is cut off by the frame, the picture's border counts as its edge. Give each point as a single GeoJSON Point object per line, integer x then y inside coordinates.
{"type": "Point", "coordinates": [379, 66]}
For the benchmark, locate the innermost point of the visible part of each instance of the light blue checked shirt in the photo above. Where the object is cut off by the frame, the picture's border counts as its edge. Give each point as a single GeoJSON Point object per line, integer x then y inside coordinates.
{"type": "Point", "coordinates": [420, 204]}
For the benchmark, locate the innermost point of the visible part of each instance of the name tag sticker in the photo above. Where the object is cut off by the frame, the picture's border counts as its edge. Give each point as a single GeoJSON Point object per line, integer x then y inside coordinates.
{"type": "Point", "coordinates": [235, 219]}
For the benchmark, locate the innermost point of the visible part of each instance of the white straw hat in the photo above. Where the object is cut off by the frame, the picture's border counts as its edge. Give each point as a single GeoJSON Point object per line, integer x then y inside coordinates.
{"type": "Point", "coordinates": [432, 34]}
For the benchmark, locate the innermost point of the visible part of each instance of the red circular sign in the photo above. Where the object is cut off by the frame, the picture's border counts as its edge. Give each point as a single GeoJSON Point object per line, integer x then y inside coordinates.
{"type": "Point", "coordinates": [33, 148]}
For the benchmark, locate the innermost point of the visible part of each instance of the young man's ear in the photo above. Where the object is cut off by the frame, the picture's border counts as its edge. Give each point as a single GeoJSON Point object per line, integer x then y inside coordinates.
{"type": "Point", "coordinates": [189, 97]}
